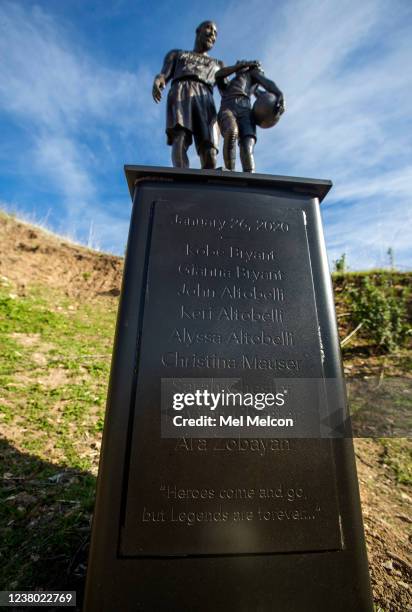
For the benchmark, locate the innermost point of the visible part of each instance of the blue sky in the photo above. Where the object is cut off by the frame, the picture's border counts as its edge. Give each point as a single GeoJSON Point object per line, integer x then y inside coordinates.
{"type": "Point", "coordinates": [75, 106]}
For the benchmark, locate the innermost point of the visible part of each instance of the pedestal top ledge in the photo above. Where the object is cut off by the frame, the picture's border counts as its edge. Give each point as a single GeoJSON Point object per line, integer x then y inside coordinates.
{"type": "Point", "coordinates": [317, 188]}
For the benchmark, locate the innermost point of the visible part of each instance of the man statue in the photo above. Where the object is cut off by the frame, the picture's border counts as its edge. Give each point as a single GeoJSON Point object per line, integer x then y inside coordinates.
{"type": "Point", "coordinates": [191, 111]}
{"type": "Point", "coordinates": [236, 120]}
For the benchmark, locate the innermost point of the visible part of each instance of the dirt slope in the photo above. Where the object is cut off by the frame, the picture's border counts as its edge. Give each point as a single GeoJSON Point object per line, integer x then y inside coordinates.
{"type": "Point", "coordinates": [31, 256]}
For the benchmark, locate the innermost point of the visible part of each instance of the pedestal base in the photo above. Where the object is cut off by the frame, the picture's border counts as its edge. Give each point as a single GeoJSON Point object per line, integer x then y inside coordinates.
{"type": "Point", "coordinates": [226, 277]}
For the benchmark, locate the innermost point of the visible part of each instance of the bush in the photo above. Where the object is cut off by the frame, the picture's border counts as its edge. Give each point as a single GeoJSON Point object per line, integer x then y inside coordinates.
{"type": "Point", "coordinates": [381, 311]}
{"type": "Point", "coordinates": [340, 263]}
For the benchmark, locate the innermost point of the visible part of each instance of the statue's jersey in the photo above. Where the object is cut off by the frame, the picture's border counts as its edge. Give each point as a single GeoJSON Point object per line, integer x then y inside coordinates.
{"type": "Point", "coordinates": [192, 65]}
{"type": "Point", "coordinates": [190, 103]}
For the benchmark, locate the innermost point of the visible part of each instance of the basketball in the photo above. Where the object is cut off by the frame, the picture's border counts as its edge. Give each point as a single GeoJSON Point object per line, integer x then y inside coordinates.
{"type": "Point", "coordinates": [266, 110]}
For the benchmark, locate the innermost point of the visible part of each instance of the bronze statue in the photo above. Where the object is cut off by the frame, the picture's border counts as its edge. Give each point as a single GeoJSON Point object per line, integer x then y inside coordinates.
{"type": "Point", "coordinates": [191, 111]}
{"type": "Point", "coordinates": [237, 121]}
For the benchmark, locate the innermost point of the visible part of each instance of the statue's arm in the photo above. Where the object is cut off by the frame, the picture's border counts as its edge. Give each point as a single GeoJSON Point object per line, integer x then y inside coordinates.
{"type": "Point", "coordinates": [164, 76]}
{"type": "Point", "coordinates": [268, 85]}
{"type": "Point", "coordinates": [220, 78]}
{"type": "Point", "coordinates": [228, 70]}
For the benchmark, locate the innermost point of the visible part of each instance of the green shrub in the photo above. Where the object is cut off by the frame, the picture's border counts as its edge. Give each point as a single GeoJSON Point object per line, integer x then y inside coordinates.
{"type": "Point", "coordinates": [340, 263]}
{"type": "Point", "coordinates": [382, 312]}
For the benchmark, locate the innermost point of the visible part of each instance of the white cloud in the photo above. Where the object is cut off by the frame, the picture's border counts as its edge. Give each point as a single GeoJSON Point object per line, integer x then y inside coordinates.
{"type": "Point", "coordinates": [344, 69]}
{"type": "Point", "coordinates": [46, 78]}
{"type": "Point", "coordinates": [60, 157]}
{"type": "Point", "coordinates": [70, 109]}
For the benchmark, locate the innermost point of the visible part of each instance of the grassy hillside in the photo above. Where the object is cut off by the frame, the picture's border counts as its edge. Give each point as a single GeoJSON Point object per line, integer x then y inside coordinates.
{"type": "Point", "coordinates": [58, 306]}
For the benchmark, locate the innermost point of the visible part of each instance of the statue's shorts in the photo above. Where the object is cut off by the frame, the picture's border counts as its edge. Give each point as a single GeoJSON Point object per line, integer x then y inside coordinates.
{"type": "Point", "coordinates": [190, 106]}
{"type": "Point", "coordinates": [235, 115]}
